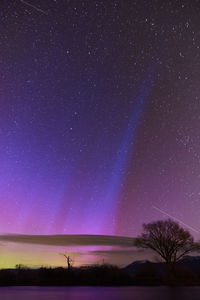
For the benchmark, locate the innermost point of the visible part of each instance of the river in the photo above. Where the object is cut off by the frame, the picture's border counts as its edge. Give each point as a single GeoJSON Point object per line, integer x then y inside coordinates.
{"type": "Point", "coordinates": [99, 293]}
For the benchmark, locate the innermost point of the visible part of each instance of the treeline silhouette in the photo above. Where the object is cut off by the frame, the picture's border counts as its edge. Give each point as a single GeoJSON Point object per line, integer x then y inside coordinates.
{"type": "Point", "coordinates": [106, 275]}
{"type": "Point", "coordinates": [146, 273]}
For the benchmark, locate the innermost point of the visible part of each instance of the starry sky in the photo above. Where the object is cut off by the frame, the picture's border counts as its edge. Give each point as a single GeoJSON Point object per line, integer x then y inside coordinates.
{"type": "Point", "coordinates": [99, 115]}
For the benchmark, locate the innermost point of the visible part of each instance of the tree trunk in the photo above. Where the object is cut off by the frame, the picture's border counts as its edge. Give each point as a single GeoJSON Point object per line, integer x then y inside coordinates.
{"type": "Point", "coordinates": [170, 272]}
{"type": "Point", "coordinates": [68, 263]}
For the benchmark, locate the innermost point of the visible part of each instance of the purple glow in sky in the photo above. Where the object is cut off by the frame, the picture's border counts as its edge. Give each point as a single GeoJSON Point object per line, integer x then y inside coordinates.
{"type": "Point", "coordinates": [90, 140]}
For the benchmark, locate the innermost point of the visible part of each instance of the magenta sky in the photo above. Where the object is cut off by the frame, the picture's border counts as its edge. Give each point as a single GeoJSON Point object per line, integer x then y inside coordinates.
{"type": "Point", "coordinates": [99, 119]}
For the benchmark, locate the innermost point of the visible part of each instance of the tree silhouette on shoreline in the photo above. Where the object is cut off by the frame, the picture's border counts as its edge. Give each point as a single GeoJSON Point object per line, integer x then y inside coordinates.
{"type": "Point", "coordinates": [170, 241]}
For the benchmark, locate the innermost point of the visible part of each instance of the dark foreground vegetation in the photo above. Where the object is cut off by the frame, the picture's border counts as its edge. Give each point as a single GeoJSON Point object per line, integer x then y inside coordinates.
{"type": "Point", "coordinates": [105, 275]}
{"type": "Point", "coordinates": [186, 272]}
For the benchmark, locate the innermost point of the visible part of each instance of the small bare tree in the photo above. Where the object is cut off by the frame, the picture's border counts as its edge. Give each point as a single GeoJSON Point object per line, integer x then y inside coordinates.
{"type": "Point", "coordinates": [170, 241]}
{"type": "Point", "coordinates": [69, 260]}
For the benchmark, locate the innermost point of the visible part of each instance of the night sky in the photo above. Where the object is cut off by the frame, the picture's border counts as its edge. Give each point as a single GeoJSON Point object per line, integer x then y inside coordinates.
{"type": "Point", "coordinates": [99, 115]}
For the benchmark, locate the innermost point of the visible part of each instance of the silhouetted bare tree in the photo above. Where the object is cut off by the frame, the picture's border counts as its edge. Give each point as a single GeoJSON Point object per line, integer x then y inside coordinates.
{"type": "Point", "coordinates": [167, 239]}
{"type": "Point", "coordinates": [69, 261]}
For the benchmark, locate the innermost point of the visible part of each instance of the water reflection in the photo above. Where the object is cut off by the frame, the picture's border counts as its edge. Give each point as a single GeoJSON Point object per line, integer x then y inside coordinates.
{"type": "Point", "coordinates": [99, 293]}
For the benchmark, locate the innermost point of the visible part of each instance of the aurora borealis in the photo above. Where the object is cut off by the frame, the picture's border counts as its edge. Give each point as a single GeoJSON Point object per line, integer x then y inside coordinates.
{"type": "Point", "coordinates": [99, 116]}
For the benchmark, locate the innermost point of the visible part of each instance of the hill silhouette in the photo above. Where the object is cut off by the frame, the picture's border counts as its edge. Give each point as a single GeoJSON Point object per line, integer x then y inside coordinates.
{"type": "Point", "coordinates": [187, 271]}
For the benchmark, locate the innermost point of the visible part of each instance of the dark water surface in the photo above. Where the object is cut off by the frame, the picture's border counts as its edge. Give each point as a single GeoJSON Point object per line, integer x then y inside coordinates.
{"type": "Point", "coordinates": [99, 293]}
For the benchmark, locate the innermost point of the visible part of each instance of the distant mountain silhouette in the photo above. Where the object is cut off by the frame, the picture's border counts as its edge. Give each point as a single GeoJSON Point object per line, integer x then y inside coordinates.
{"type": "Point", "coordinates": [145, 269]}
{"type": "Point", "coordinates": [136, 266]}
{"type": "Point", "coordinates": [188, 266]}
{"type": "Point", "coordinates": [191, 262]}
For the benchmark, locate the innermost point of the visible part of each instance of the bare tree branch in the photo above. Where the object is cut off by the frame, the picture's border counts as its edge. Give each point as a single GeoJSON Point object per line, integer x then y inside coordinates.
{"type": "Point", "coordinates": [167, 239]}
